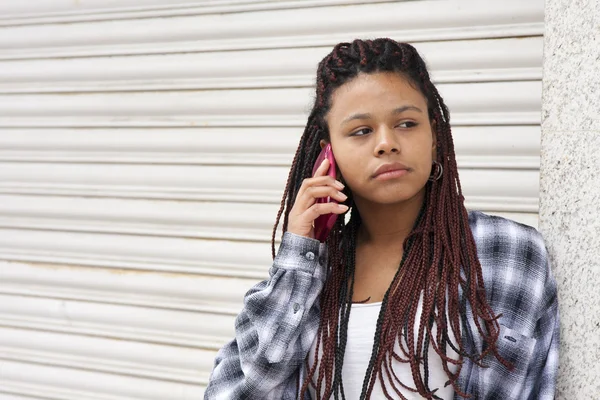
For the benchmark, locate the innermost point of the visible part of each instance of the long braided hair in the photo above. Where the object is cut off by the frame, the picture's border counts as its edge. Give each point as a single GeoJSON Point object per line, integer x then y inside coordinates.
{"type": "Point", "coordinates": [439, 253]}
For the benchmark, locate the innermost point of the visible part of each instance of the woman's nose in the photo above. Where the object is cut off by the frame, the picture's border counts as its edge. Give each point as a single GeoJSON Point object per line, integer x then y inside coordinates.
{"type": "Point", "coordinates": [385, 142]}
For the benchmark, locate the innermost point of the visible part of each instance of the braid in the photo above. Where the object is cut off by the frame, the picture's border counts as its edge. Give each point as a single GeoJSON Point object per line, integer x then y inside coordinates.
{"type": "Point", "coordinates": [299, 159]}
{"type": "Point", "coordinates": [345, 300]}
{"type": "Point", "coordinates": [439, 255]}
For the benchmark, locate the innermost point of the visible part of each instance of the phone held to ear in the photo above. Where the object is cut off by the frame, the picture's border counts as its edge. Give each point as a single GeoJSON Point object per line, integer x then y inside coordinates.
{"type": "Point", "coordinates": [324, 223]}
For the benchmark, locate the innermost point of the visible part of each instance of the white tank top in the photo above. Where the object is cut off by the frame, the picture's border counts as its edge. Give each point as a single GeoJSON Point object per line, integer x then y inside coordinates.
{"type": "Point", "coordinates": [361, 332]}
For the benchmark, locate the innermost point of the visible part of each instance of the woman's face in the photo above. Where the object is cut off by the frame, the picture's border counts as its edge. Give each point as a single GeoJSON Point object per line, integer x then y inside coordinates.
{"type": "Point", "coordinates": [377, 119]}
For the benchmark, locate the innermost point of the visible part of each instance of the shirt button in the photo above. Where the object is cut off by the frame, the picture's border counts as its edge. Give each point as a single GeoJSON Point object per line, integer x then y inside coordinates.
{"type": "Point", "coordinates": [296, 307]}
{"type": "Point", "coordinates": [310, 256]}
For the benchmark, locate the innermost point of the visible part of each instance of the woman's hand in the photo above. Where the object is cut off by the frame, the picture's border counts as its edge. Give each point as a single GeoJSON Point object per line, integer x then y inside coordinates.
{"type": "Point", "coordinates": [306, 209]}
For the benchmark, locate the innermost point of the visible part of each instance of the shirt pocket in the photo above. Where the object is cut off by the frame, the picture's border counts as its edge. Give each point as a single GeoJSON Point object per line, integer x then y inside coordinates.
{"type": "Point", "coordinates": [497, 381]}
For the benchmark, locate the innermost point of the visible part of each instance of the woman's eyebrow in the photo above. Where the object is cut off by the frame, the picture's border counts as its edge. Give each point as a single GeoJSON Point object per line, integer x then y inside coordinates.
{"type": "Point", "coordinates": [396, 111]}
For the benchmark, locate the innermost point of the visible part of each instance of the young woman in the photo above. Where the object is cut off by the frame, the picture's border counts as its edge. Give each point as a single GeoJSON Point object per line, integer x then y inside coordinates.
{"type": "Point", "coordinates": [413, 297]}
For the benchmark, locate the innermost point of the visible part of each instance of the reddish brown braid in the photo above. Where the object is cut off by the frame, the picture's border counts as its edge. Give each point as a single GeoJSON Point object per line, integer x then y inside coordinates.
{"type": "Point", "coordinates": [439, 254]}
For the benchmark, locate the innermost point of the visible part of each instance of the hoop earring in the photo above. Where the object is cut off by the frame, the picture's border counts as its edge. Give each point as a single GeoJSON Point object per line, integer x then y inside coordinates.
{"type": "Point", "coordinates": [439, 170]}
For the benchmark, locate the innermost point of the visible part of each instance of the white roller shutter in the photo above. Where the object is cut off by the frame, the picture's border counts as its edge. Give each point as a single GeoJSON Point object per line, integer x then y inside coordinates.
{"type": "Point", "coordinates": [143, 153]}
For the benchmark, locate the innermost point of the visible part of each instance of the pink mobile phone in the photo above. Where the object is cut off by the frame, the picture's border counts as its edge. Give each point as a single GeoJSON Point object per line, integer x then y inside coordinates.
{"type": "Point", "coordinates": [324, 223]}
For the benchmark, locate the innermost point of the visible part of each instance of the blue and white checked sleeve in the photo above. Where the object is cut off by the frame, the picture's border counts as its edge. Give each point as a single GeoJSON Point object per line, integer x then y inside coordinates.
{"type": "Point", "coordinates": [543, 371]}
{"type": "Point", "coordinates": [521, 288]}
{"type": "Point", "coordinates": [276, 327]}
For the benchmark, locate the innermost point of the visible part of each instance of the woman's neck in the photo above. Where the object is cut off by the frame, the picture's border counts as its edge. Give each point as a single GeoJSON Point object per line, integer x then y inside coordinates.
{"type": "Point", "coordinates": [385, 225]}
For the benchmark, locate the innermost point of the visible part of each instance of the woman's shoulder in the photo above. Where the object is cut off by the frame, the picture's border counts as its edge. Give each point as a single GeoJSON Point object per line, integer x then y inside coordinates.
{"type": "Point", "coordinates": [496, 228]}
{"type": "Point", "coordinates": [480, 219]}
{"type": "Point", "coordinates": [502, 241]}
{"type": "Point", "coordinates": [515, 268]}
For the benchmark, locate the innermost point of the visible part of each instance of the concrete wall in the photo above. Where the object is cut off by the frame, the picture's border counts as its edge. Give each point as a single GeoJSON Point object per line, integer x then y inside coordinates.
{"type": "Point", "coordinates": [570, 185]}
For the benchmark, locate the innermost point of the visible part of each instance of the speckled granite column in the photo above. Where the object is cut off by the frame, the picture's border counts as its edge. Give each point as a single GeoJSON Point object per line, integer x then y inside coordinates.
{"type": "Point", "coordinates": [570, 186]}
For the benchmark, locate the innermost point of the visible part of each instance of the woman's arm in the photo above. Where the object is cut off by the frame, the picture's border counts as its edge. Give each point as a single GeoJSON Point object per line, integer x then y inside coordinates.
{"type": "Point", "coordinates": [276, 327]}
{"type": "Point", "coordinates": [543, 371]}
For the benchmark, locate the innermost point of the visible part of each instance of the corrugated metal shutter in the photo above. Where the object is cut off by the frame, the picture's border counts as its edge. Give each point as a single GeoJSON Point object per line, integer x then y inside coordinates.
{"type": "Point", "coordinates": [143, 152]}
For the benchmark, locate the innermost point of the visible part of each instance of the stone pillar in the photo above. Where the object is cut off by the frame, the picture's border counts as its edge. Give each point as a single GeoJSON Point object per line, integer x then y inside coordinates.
{"type": "Point", "coordinates": [570, 186]}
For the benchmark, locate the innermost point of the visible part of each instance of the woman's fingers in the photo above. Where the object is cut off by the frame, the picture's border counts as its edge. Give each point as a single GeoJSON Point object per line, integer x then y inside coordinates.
{"type": "Point", "coordinates": [306, 209]}
{"type": "Point", "coordinates": [319, 209]}
{"type": "Point", "coordinates": [312, 193]}
{"type": "Point", "coordinates": [322, 170]}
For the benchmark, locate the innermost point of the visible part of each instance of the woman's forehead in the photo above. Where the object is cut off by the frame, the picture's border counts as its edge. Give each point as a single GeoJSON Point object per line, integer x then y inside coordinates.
{"type": "Point", "coordinates": [379, 91]}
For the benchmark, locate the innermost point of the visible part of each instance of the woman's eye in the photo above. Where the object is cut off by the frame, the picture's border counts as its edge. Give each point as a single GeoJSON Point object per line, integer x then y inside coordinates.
{"type": "Point", "coordinates": [356, 133]}
{"type": "Point", "coordinates": [404, 125]}
{"type": "Point", "coordinates": [407, 124]}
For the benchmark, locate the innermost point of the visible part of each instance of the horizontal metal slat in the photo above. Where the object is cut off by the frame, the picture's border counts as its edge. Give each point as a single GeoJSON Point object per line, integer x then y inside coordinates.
{"type": "Point", "coordinates": [201, 220]}
{"type": "Point", "coordinates": [228, 183]}
{"type": "Point", "coordinates": [8, 396]}
{"type": "Point", "coordinates": [52, 382]}
{"type": "Point", "coordinates": [200, 330]}
{"type": "Point", "coordinates": [309, 27]}
{"type": "Point", "coordinates": [510, 147]}
{"type": "Point", "coordinates": [497, 103]}
{"type": "Point", "coordinates": [144, 360]}
{"type": "Point", "coordinates": [15, 12]}
{"type": "Point", "coordinates": [134, 288]}
{"type": "Point", "coordinates": [168, 254]}
{"type": "Point", "coordinates": [450, 62]}
{"type": "Point", "coordinates": [157, 253]}
{"type": "Point", "coordinates": [208, 220]}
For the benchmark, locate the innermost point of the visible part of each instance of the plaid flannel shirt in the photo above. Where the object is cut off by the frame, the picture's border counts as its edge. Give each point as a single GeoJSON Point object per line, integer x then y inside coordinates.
{"type": "Point", "coordinates": [280, 318]}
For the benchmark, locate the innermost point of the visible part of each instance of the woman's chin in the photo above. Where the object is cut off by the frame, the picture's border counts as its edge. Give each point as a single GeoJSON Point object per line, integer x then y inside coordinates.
{"type": "Point", "coordinates": [388, 200]}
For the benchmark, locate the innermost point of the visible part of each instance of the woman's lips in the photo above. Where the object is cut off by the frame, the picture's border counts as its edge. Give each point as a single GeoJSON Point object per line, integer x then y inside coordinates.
{"type": "Point", "coordinates": [398, 173]}
{"type": "Point", "coordinates": [388, 167]}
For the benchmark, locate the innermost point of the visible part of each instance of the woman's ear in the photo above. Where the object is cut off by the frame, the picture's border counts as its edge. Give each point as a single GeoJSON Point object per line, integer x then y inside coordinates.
{"type": "Point", "coordinates": [338, 174]}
